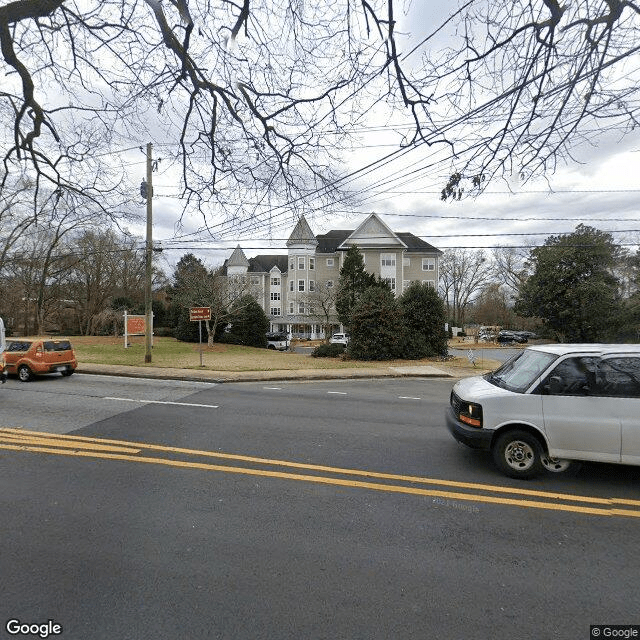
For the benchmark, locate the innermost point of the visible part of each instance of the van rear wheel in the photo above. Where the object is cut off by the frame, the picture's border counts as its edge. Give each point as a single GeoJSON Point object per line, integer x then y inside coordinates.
{"type": "Point", "coordinates": [556, 465]}
{"type": "Point", "coordinates": [24, 373]}
{"type": "Point", "coordinates": [518, 454]}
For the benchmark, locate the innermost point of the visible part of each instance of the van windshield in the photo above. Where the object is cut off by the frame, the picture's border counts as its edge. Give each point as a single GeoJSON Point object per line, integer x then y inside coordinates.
{"type": "Point", "coordinates": [519, 373]}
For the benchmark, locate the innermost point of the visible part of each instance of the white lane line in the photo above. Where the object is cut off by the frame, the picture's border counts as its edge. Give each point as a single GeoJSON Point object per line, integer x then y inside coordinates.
{"type": "Point", "coordinates": [408, 398]}
{"type": "Point", "coordinates": [338, 393]}
{"type": "Point", "coordinates": [150, 381]}
{"type": "Point", "coordinates": [273, 388]}
{"type": "Point", "coordinates": [180, 404]}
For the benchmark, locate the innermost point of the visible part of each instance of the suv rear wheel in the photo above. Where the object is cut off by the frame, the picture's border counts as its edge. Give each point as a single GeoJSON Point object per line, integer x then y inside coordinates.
{"type": "Point", "coordinates": [518, 454]}
{"type": "Point", "coordinates": [24, 373]}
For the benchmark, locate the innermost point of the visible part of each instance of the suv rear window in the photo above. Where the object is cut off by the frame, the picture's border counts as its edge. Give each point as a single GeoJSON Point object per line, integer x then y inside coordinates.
{"type": "Point", "coordinates": [57, 345]}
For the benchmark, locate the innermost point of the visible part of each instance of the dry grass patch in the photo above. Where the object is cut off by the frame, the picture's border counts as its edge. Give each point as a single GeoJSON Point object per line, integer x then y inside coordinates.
{"type": "Point", "coordinates": [170, 353]}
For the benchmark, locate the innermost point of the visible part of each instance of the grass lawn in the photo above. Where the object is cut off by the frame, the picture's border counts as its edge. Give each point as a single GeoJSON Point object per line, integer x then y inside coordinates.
{"type": "Point", "coordinates": [169, 352]}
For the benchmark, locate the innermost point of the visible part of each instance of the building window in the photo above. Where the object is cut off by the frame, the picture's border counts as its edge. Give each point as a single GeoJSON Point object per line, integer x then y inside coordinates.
{"type": "Point", "coordinates": [301, 263]}
{"type": "Point", "coordinates": [312, 285]}
{"type": "Point", "coordinates": [406, 262]}
{"type": "Point", "coordinates": [291, 285]}
{"type": "Point", "coordinates": [312, 264]}
{"type": "Point", "coordinates": [291, 308]}
{"type": "Point", "coordinates": [329, 284]}
{"type": "Point", "coordinates": [292, 264]}
{"type": "Point", "coordinates": [391, 282]}
{"type": "Point", "coordinates": [388, 259]}
{"type": "Point", "coordinates": [275, 311]}
{"type": "Point", "coordinates": [429, 283]}
{"type": "Point", "coordinates": [330, 262]}
{"type": "Point", "coordinates": [255, 279]}
{"type": "Point", "coordinates": [301, 307]}
{"type": "Point", "coordinates": [300, 285]}
{"type": "Point", "coordinates": [275, 282]}
{"type": "Point", "coordinates": [428, 264]}
{"type": "Point", "coordinates": [406, 284]}
{"type": "Point", "coordinates": [275, 296]}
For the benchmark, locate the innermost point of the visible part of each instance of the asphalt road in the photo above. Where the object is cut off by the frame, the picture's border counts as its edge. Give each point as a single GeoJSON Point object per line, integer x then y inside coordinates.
{"type": "Point", "coordinates": [294, 510]}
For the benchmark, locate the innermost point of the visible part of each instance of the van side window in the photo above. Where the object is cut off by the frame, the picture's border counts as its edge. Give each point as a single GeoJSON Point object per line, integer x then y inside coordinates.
{"type": "Point", "coordinates": [620, 377]}
{"type": "Point", "coordinates": [572, 377]}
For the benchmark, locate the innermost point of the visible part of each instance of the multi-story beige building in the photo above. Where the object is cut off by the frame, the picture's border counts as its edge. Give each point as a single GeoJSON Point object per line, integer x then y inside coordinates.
{"type": "Point", "coordinates": [295, 289]}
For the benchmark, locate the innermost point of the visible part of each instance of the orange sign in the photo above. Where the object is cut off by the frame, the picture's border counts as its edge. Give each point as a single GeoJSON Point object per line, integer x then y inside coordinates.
{"type": "Point", "coordinates": [135, 325]}
{"type": "Point", "coordinates": [199, 313]}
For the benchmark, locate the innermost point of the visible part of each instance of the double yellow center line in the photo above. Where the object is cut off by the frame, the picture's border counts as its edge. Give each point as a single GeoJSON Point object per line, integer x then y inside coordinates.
{"type": "Point", "coordinates": [140, 452]}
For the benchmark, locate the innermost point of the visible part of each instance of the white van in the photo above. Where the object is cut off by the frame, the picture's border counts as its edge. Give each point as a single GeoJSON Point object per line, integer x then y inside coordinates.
{"type": "Point", "coordinates": [551, 404]}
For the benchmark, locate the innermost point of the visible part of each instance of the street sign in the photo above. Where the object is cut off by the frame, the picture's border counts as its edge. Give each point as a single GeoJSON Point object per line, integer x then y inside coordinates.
{"type": "Point", "coordinates": [199, 313]}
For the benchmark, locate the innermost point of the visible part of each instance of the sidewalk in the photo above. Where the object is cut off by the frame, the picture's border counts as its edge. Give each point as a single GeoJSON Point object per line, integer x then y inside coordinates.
{"type": "Point", "coordinates": [203, 375]}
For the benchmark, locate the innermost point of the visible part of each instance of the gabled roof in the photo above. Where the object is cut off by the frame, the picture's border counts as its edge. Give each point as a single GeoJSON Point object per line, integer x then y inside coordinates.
{"type": "Point", "coordinates": [373, 233]}
{"type": "Point", "coordinates": [335, 241]}
{"type": "Point", "coordinates": [302, 234]}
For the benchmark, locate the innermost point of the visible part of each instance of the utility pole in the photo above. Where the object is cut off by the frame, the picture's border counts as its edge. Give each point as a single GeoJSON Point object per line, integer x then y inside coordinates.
{"type": "Point", "coordinates": [148, 323]}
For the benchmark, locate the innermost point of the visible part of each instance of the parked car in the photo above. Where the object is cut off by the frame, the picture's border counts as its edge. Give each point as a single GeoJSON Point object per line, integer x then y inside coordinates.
{"type": "Point", "coordinates": [278, 341]}
{"type": "Point", "coordinates": [553, 404]}
{"type": "Point", "coordinates": [511, 337]}
{"type": "Point", "coordinates": [340, 338]}
{"type": "Point", "coordinates": [27, 357]}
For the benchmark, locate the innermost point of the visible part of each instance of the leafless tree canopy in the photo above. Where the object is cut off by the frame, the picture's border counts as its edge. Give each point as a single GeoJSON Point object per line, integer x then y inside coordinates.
{"type": "Point", "coordinates": [247, 89]}
{"type": "Point", "coordinates": [464, 273]}
{"type": "Point", "coordinates": [249, 96]}
{"type": "Point", "coordinates": [528, 79]}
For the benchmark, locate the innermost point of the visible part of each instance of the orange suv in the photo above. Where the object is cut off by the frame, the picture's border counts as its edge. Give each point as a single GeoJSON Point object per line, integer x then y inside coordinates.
{"type": "Point", "coordinates": [27, 357]}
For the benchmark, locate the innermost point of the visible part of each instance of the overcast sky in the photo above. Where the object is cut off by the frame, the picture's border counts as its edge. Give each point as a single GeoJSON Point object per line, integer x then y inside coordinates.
{"type": "Point", "coordinates": [601, 188]}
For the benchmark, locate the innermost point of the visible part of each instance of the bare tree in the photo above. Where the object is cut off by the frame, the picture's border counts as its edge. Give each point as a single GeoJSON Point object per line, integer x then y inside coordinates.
{"type": "Point", "coordinates": [463, 274]}
{"type": "Point", "coordinates": [250, 95]}
{"type": "Point", "coordinates": [19, 211]}
{"type": "Point", "coordinates": [100, 265]}
{"type": "Point", "coordinates": [492, 307]}
{"type": "Point", "coordinates": [512, 267]}
{"type": "Point", "coordinates": [320, 305]}
{"type": "Point", "coordinates": [527, 80]}
{"type": "Point", "coordinates": [249, 89]}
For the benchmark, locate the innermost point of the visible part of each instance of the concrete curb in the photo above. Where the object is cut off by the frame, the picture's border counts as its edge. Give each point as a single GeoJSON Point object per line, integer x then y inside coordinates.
{"type": "Point", "coordinates": [219, 377]}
